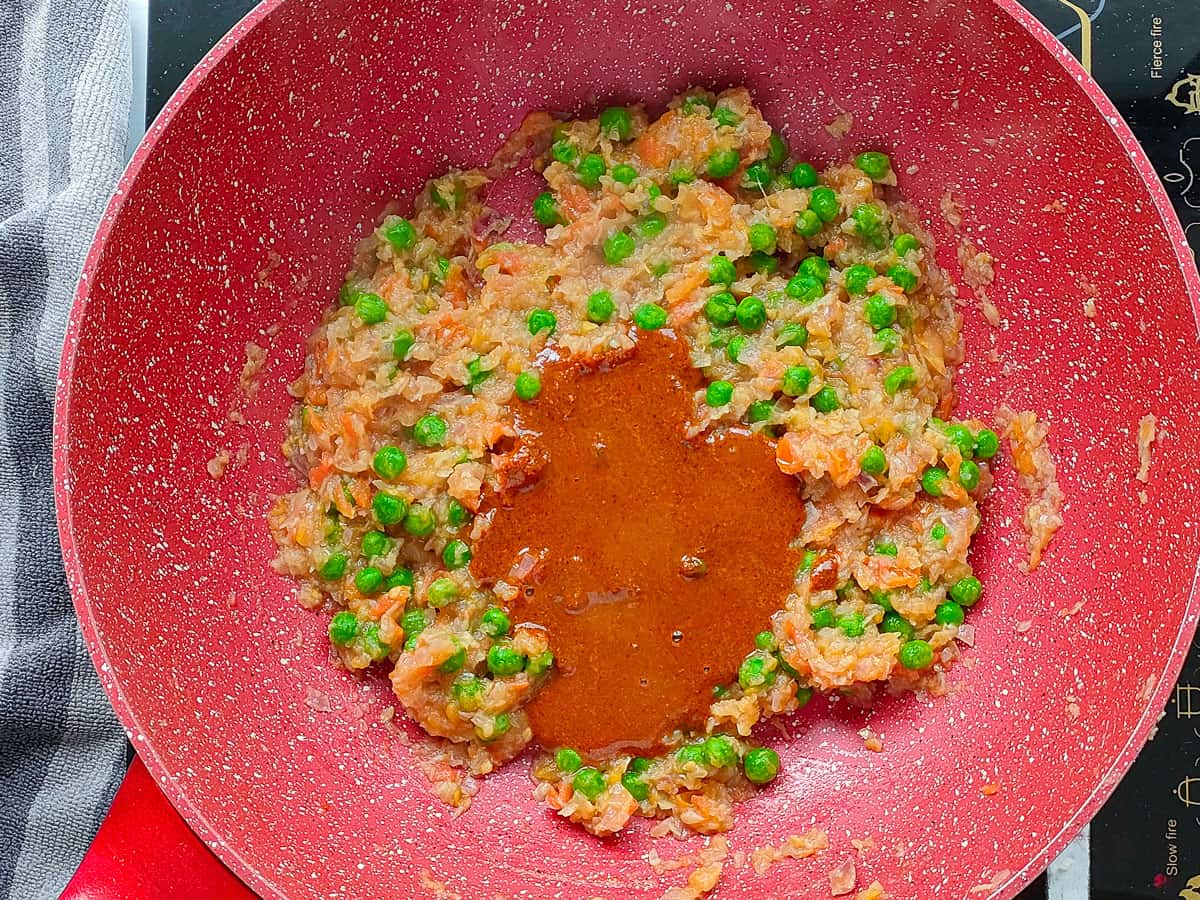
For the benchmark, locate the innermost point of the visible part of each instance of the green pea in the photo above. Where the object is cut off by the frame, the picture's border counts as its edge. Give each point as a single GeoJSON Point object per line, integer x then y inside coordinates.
{"type": "Point", "coordinates": [901, 378]}
{"type": "Point", "coordinates": [430, 430]}
{"type": "Point", "coordinates": [881, 598]}
{"type": "Point", "coordinates": [809, 560]}
{"type": "Point", "coordinates": [368, 580]}
{"type": "Point", "coordinates": [757, 671]}
{"type": "Point", "coordinates": [751, 314]}
{"type": "Point", "coordinates": [762, 237]}
{"type": "Point", "coordinates": [960, 436]}
{"type": "Point", "coordinates": [916, 654]}
{"type": "Point", "coordinates": [932, 480]}
{"type": "Point", "coordinates": [456, 514]}
{"type": "Point", "coordinates": [624, 173]}
{"type": "Point", "coordinates": [370, 308]}
{"type": "Point", "coordinates": [888, 339]}
{"type": "Point", "coordinates": [616, 123]}
{"type": "Point", "coordinates": [968, 475]}
{"type": "Point", "coordinates": [681, 175]}
{"type": "Point", "coordinates": [636, 787]}
{"type": "Point", "coordinates": [894, 623]}
{"type": "Point", "coordinates": [887, 549]}
{"type": "Point", "coordinates": [949, 613]}
{"type": "Point", "coordinates": [987, 444]}
{"type": "Point", "coordinates": [455, 661]}
{"type": "Point", "coordinates": [441, 592]}
{"type": "Point", "coordinates": [873, 461]}
{"type": "Point", "coordinates": [334, 567]}
{"type": "Point", "coordinates": [868, 223]}
{"type": "Point", "coordinates": [763, 263]}
{"type": "Point", "coordinates": [619, 246]}
{"type": "Point", "coordinates": [649, 317]}
{"type": "Point", "coordinates": [343, 628]}
{"type": "Point", "coordinates": [456, 555]}
{"type": "Point", "coordinates": [726, 116]}
{"type": "Point", "coordinates": [527, 386]}
{"type": "Point", "coordinates": [540, 664]}
{"type": "Point", "coordinates": [697, 104]}
{"type": "Point", "coordinates": [441, 270]}
{"type": "Point", "coordinates": [824, 202]}
{"type": "Point", "coordinates": [874, 164]}
{"type": "Point", "coordinates": [966, 591]}
{"type": "Point", "coordinates": [764, 640]}
{"type": "Point", "coordinates": [761, 765]}
{"type": "Point", "coordinates": [856, 279]}
{"type": "Point", "coordinates": [733, 350]}
{"type": "Point", "coordinates": [804, 287]}
{"type": "Point", "coordinates": [468, 692]}
{"type": "Point", "coordinates": [402, 577]}
{"type": "Point", "coordinates": [499, 727]}
{"type": "Point", "coordinates": [476, 374]}
{"type": "Point", "coordinates": [402, 345]}
{"type": "Point", "coordinates": [825, 400]}
{"type": "Point", "coordinates": [346, 294]}
{"type": "Point", "coordinates": [723, 163]}
{"type": "Point", "coordinates": [816, 267]}
{"type": "Point", "coordinates": [371, 645]}
{"type": "Point", "coordinates": [400, 234]}
{"type": "Point", "coordinates": [720, 752]}
{"type": "Point", "coordinates": [905, 243]}
{"type": "Point", "coordinates": [937, 532]}
{"type": "Point", "coordinates": [504, 660]}
{"type": "Point", "coordinates": [564, 152]}
{"type": "Point", "coordinates": [777, 151]}
{"type": "Point", "coordinates": [495, 622]}
{"type": "Point", "coordinates": [546, 211]}
{"type": "Point", "coordinates": [541, 320]}
{"type": "Point", "coordinates": [375, 543]}
{"type": "Point", "coordinates": [414, 622]}
{"type": "Point", "coordinates": [691, 754]}
{"type": "Point", "coordinates": [852, 625]}
{"type": "Point", "coordinates": [420, 521]}
{"type": "Point", "coordinates": [721, 309]}
{"type": "Point", "coordinates": [718, 393]}
{"type": "Point", "coordinates": [600, 307]}
{"type": "Point", "coordinates": [757, 175]}
{"type": "Point", "coordinates": [760, 411]}
{"type": "Point", "coordinates": [902, 276]}
{"type": "Point", "coordinates": [568, 760]}
{"type": "Point", "coordinates": [879, 311]}
{"type": "Point", "coordinates": [589, 782]}
{"type": "Point", "coordinates": [721, 270]}
{"type": "Point", "coordinates": [803, 175]}
{"type": "Point", "coordinates": [823, 617]}
{"type": "Point", "coordinates": [808, 224]}
{"type": "Point", "coordinates": [796, 380]}
{"type": "Point", "coordinates": [650, 226]}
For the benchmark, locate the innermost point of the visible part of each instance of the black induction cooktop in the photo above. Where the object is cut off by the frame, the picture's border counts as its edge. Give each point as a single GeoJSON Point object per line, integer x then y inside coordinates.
{"type": "Point", "coordinates": [1145, 842]}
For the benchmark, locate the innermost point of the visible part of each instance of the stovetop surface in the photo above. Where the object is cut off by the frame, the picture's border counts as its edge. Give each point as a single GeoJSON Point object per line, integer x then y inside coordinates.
{"type": "Point", "coordinates": [1145, 842]}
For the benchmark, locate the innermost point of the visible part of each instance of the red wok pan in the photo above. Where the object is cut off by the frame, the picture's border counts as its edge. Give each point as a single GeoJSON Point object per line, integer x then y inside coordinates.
{"type": "Point", "coordinates": [234, 224]}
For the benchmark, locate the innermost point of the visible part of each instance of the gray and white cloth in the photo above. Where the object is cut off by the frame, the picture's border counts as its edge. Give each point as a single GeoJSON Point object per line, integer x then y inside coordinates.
{"type": "Point", "coordinates": [64, 100]}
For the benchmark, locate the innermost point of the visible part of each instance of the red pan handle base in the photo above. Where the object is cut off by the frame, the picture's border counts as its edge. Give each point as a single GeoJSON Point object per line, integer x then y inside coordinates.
{"type": "Point", "coordinates": [145, 850]}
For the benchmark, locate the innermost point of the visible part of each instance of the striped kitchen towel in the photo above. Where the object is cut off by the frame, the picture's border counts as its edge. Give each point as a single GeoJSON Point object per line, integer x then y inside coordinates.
{"type": "Point", "coordinates": [64, 99]}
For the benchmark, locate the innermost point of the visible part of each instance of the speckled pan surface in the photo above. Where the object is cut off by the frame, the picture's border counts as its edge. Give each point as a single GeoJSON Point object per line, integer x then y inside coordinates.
{"type": "Point", "coordinates": [234, 224]}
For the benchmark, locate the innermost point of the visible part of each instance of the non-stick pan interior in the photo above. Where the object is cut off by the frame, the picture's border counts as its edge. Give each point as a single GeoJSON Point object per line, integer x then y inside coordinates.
{"type": "Point", "coordinates": [235, 224]}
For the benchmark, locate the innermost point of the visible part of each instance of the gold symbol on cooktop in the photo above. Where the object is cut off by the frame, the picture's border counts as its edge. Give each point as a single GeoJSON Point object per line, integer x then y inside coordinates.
{"type": "Point", "coordinates": [1187, 701]}
{"type": "Point", "coordinates": [1188, 791]}
{"type": "Point", "coordinates": [1188, 892]}
{"type": "Point", "coordinates": [1085, 33]}
{"type": "Point", "coordinates": [1185, 93]}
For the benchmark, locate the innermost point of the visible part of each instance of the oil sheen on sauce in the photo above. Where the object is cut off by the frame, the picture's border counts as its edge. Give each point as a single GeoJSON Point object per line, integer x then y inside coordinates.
{"type": "Point", "coordinates": [657, 558]}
